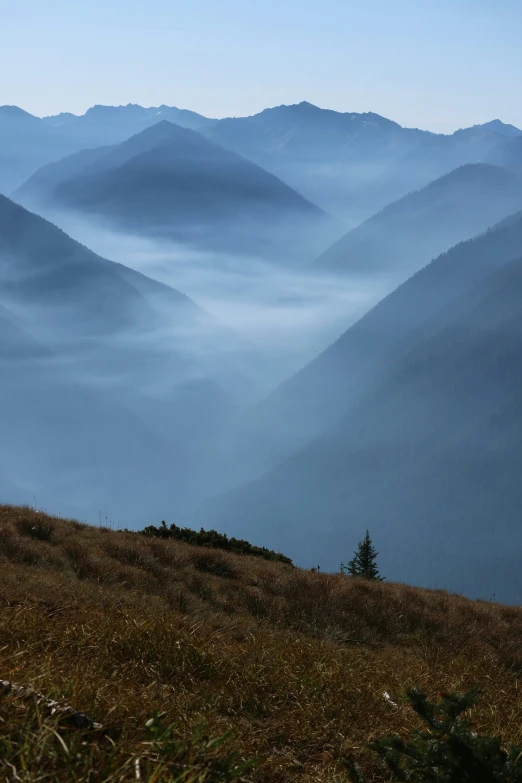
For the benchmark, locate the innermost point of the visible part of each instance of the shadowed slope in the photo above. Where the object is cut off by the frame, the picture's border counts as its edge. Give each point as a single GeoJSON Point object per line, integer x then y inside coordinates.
{"type": "Point", "coordinates": [26, 143]}
{"type": "Point", "coordinates": [427, 456]}
{"type": "Point", "coordinates": [351, 164]}
{"type": "Point", "coordinates": [174, 183]}
{"type": "Point", "coordinates": [95, 353]}
{"type": "Point", "coordinates": [408, 233]}
{"type": "Point", "coordinates": [302, 407]}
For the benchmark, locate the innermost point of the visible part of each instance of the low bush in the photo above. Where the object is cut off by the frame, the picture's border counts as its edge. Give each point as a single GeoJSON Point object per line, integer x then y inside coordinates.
{"type": "Point", "coordinates": [447, 750]}
{"type": "Point", "coordinates": [41, 530]}
{"type": "Point", "coordinates": [211, 538]}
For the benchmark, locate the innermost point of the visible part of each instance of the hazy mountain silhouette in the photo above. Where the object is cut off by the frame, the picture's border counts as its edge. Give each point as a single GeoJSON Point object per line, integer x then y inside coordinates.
{"type": "Point", "coordinates": [110, 380]}
{"type": "Point", "coordinates": [62, 439]}
{"type": "Point", "coordinates": [351, 164]}
{"type": "Point", "coordinates": [408, 425]}
{"type": "Point", "coordinates": [41, 185]}
{"type": "Point", "coordinates": [311, 400]}
{"type": "Point", "coordinates": [306, 132]}
{"type": "Point", "coordinates": [408, 233]}
{"type": "Point", "coordinates": [104, 125]}
{"type": "Point", "coordinates": [26, 143]}
{"type": "Point", "coordinates": [502, 128]}
{"type": "Point", "coordinates": [172, 182]}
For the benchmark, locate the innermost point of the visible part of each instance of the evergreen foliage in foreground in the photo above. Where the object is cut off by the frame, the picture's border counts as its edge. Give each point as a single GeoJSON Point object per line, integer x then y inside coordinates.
{"type": "Point", "coordinates": [447, 750]}
{"type": "Point", "coordinates": [364, 561]}
{"type": "Point", "coordinates": [211, 538]}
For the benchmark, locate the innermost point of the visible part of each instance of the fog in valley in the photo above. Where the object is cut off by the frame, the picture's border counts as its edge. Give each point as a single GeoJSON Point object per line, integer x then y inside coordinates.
{"type": "Point", "coordinates": [289, 313]}
{"type": "Point", "coordinates": [290, 327]}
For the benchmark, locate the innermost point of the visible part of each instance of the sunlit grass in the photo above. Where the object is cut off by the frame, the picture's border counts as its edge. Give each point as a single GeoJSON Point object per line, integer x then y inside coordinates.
{"type": "Point", "coordinates": [293, 664]}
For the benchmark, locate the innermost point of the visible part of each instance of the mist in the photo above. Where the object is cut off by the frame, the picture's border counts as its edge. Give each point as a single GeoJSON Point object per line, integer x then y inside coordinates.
{"type": "Point", "coordinates": [290, 314]}
{"type": "Point", "coordinates": [185, 336]}
{"type": "Point", "coordinates": [147, 378]}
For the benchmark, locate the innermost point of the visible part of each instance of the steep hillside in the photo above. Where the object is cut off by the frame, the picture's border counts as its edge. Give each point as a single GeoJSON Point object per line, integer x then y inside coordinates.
{"type": "Point", "coordinates": [26, 143]}
{"type": "Point", "coordinates": [41, 185]}
{"type": "Point", "coordinates": [303, 668]}
{"type": "Point", "coordinates": [427, 456]}
{"type": "Point", "coordinates": [172, 182]}
{"type": "Point", "coordinates": [96, 353]}
{"type": "Point", "coordinates": [407, 234]}
{"type": "Point", "coordinates": [313, 399]}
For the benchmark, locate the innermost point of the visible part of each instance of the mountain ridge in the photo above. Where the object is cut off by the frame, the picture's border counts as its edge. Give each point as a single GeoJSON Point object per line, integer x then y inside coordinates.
{"type": "Point", "coordinates": [174, 182]}
{"type": "Point", "coordinates": [120, 361]}
{"type": "Point", "coordinates": [408, 233]}
{"type": "Point", "coordinates": [420, 421]}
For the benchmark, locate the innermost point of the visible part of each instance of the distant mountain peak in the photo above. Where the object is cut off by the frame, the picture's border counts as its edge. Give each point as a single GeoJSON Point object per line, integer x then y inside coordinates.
{"type": "Point", "coordinates": [101, 109]}
{"type": "Point", "coordinates": [502, 128]}
{"type": "Point", "coordinates": [306, 106]}
{"type": "Point", "coordinates": [309, 111]}
{"type": "Point", "coordinates": [16, 112]}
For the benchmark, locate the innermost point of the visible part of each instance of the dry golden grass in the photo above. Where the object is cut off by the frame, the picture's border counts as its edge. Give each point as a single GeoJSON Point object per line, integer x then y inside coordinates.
{"type": "Point", "coordinates": [294, 663]}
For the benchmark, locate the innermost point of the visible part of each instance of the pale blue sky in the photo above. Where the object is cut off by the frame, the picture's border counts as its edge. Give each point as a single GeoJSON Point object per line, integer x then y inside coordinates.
{"type": "Point", "coordinates": [437, 64]}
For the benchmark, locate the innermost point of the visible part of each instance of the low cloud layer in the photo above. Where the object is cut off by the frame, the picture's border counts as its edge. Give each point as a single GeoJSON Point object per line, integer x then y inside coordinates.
{"type": "Point", "coordinates": [293, 313]}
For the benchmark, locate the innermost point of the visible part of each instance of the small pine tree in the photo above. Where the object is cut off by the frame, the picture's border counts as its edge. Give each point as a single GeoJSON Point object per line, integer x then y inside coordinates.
{"type": "Point", "coordinates": [447, 750]}
{"type": "Point", "coordinates": [364, 562]}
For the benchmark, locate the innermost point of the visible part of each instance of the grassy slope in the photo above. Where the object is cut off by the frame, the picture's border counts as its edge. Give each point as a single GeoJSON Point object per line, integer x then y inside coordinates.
{"type": "Point", "coordinates": [294, 663]}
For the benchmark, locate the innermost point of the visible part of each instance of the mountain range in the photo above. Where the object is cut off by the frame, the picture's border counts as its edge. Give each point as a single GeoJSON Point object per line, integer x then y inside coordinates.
{"type": "Point", "coordinates": [103, 125]}
{"type": "Point", "coordinates": [171, 182]}
{"type": "Point", "coordinates": [408, 233]}
{"type": "Point", "coordinates": [350, 164]}
{"type": "Point", "coordinates": [408, 425]}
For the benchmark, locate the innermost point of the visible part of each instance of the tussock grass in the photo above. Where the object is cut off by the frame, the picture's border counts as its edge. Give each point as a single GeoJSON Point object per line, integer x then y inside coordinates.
{"type": "Point", "coordinates": [294, 664]}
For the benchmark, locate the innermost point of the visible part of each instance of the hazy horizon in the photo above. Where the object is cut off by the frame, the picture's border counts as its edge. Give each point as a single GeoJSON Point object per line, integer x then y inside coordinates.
{"type": "Point", "coordinates": [343, 56]}
{"type": "Point", "coordinates": [81, 113]}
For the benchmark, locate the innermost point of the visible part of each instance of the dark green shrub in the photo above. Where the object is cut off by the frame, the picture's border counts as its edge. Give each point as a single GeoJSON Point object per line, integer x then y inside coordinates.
{"type": "Point", "coordinates": [211, 538]}
{"type": "Point", "coordinates": [446, 750]}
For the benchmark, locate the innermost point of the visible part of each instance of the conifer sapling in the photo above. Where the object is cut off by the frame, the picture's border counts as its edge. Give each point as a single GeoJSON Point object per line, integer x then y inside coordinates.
{"type": "Point", "coordinates": [364, 562]}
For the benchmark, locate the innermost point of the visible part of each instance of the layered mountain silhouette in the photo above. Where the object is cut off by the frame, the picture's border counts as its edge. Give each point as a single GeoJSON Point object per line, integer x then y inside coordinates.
{"type": "Point", "coordinates": [26, 143]}
{"type": "Point", "coordinates": [122, 396]}
{"type": "Point", "coordinates": [110, 380]}
{"type": "Point", "coordinates": [408, 233]}
{"type": "Point", "coordinates": [104, 125]}
{"type": "Point", "coordinates": [171, 182]}
{"type": "Point", "coordinates": [351, 164]}
{"type": "Point", "coordinates": [408, 425]}
{"type": "Point", "coordinates": [502, 128]}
